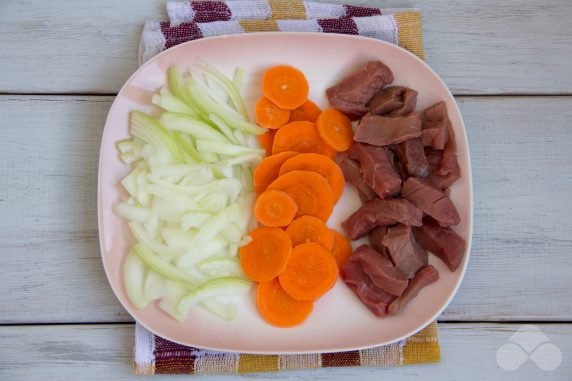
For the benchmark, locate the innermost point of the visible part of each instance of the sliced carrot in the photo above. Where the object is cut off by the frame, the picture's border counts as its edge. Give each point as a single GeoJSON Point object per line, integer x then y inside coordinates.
{"type": "Point", "coordinates": [278, 308]}
{"type": "Point", "coordinates": [296, 136]}
{"type": "Point", "coordinates": [342, 249]}
{"type": "Point", "coordinates": [335, 129]}
{"type": "Point", "coordinates": [275, 208]}
{"type": "Point", "coordinates": [310, 273]}
{"type": "Point", "coordinates": [308, 112]}
{"type": "Point", "coordinates": [320, 164]}
{"type": "Point", "coordinates": [325, 149]}
{"type": "Point", "coordinates": [310, 229]}
{"type": "Point", "coordinates": [300, 137]}
{"type": "Point", "coordinates": [267, 170]}
{"type": "Point", "coordinates": [266, 140]}
{"type": "Point", "coordinates": [269, 115]}
{"type": "Point", "coordinates": [310, 191]}
{"type": "Point", "coordinates": [285, 86]}
{"type": "Point", "coordinates": [266, 256]}
{"type": "Point", "coordinates": [299, 115]}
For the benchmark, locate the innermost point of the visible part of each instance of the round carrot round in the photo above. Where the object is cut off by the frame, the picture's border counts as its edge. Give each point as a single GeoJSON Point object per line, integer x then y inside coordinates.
{"type": "Point", "coordinates": [310, 273]}
{"type": "Point", "coordinates": [328, 151]}
{"type": "Point", "coordinates": [285, 86]}
{"type": "Point", "coordinates": [335, 129]}
{"type": "Point", "coordinates": [342, 248]}
{"type": "Point", "coordinates": [275, 208]}
{"type": "Point", "coordinates": [266, 140]}
{"type": "Point", "coordinates": [300, 137]}
{"type": "Point", "coordinates": [269, 115]}
{"type": "Point", "coordinates": [278, 308]}
{"type": "Point", "coordinates": [268, 169]}
{"type": "Point", "coordinates": [310, 191]}
{"type": "Point", "coordinates": [266, 256]}
{"type": "Point", "coordinates": [320, 164]}
{"type": "Point", "coordinates": [310, 229]}
{"type": "Point", "coordinates": [308, 112]}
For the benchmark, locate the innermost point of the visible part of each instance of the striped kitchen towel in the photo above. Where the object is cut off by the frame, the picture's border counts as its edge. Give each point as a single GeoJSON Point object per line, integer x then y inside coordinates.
{"type": "Point", "coordinates": [155, 355]}
{"type": "Point", "coordinates": [207, 11]}
{"type": "Point", "coordinates": [192, 20]}
{"type": "Point", "coordinates": [198, 19]}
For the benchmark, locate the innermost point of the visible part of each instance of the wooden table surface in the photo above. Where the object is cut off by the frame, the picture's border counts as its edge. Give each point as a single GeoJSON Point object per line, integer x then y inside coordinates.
{"type": "Point", "coordinates": [61, 63]}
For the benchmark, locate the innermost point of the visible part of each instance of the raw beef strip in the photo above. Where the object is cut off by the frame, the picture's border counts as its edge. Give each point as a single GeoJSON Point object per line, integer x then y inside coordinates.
{"type": "Point", "coordinates": [436, 126]}
{"type": "Point", "coordinates": [359, 282]}
{"type": "Point", "coordinates": [352, 174]}
{"type": "Point", "coordinates": [407, 255]}
{"type": "Point", "coordinates": [449, 162]}
{"type": "Point", "coordinates": [351, 95]}
{"type": "Point", "coordinates": [436, 112]}
{"type": "Point", "coordinates": [443, 242]}
{"type": "Point", "coordinates": [434, 135]}
{"type": "Point", "coordinates": [431, 200]}
{"type": "Point", "coordinates": [424, 277]}
{"type": "Point", "coordinates": [393, 101]}
{"type": "Point", "coordinates": [380, 270]}
{"type": "Point", "coordinates": [375, 237]}
{"type": "Point", "coordinates": [381, 212]}
{"type": "Point", "coordinates": [412, 157]}
{"type": "Point", "coordinates": [377, 170]}
{"type": "Point", "coordinates": [381, 130]}
{"type": "Point", "coordinates": [434, 159]}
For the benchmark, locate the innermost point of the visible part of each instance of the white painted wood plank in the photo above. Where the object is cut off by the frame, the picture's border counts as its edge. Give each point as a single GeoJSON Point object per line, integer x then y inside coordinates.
{"type": "Point", "coordinates": [49, 246]}
{"type": "Point", "coordinates": [51, 269]}
{"type": "Point", "coordinates": [478, 47]}
{"type": "Point", "coordinates": [521, 151]}
{"type": "Point", "coordinates": [104, 352]}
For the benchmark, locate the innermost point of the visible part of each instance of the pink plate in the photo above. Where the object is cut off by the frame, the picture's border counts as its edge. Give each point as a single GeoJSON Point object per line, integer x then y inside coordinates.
{"type": "Point", "coordinates": [339, 321]}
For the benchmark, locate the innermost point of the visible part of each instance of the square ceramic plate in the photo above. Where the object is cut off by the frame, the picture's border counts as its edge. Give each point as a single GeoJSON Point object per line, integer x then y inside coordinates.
{"type": "Point", "coordinates": [339, 321]}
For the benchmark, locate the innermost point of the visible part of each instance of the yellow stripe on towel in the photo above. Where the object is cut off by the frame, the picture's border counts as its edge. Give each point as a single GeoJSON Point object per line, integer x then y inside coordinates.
{"type": "Point", "coordinates": [282, 10]}
{"type": "Point", "coordinates": [410, 32]}
{"type": "Point", "coordinates": [259, 26]}
{"type": "Point", "coordinates": [423, 347]}
{"type": "Point", "coordinates": [257, 363]}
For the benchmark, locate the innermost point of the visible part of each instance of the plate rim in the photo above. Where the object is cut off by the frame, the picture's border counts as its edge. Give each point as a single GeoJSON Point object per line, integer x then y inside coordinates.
{"type": "Point", "coordinates": [241, 36]}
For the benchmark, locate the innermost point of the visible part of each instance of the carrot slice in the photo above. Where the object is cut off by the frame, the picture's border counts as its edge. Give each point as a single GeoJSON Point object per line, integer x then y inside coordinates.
{"type": "Point", "coordinates": [269, 115]}
{"type": "Point", "coordinates": [285, 86]}
{"type": "Point", "coordinates": [296, 136]}
{"type": "Point", "coordinates": [335, 129]}
{"type": "Point", "coordinates": [310, 229]}
{"type": "Point", "coordinates": [311, 272]}
{"type": "Point", "coordinates": [266, 140]}
{"type": "Point", "coordinates": [300, 137]}
{"type": "Point", "coordinates": [275, 208]}
{"type": "Point", "coordinates": [278, 308]}
{"type": "Point", "coordinates": [267, 170]}
{"type": "Point", "coordinates": [310, 191]}
{"type": "Point", "coordinates": [320, 164]}
{"type": "Point", "coordinates": [342, 249]}
{"type": "Point", "coordinates": [299, 115]}
{"type": "Point", "coordinates": [328, 151]}
{"type": "Point", "coordinates": [308, 112]}
{"type": "Point", "coordinates": [266, 255]}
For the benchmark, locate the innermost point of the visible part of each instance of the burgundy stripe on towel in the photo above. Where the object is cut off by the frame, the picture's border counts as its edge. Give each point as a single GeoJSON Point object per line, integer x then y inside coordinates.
{"type": "Point", "coordinates": [336, 359]}
{"type": "Point", "coordinates": [172, 358]}
{"type": "Point", "coordinates": [178, 34]}
{"type": "Point", "coordinates": [353, 11]}
{"type": "Point", "coordinates": [208, 11]}
{"type": "Point", "coordinates": [343, 25]}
